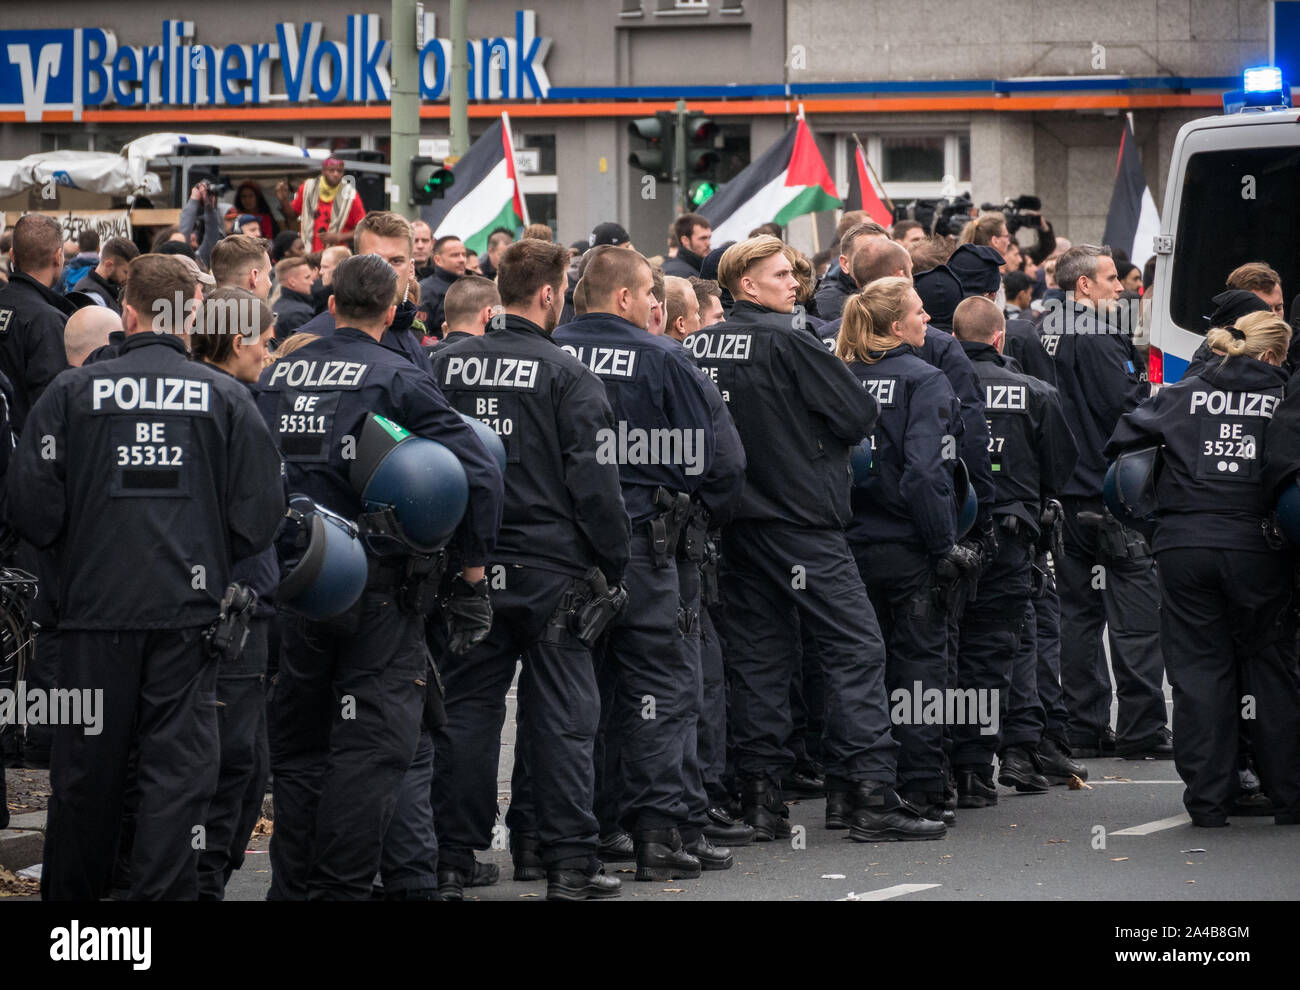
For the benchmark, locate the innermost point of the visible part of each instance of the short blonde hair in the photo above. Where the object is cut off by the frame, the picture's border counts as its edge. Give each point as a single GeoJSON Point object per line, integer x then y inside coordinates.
{"type": "Point", "coordinates": [744, 255]}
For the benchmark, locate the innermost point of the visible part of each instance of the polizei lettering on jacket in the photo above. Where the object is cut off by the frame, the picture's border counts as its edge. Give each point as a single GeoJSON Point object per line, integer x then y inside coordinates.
{"type": "Point", "coordinates": [1009, 397]}
{"type": "Point", "coordinates": [721, 346]}
{"type": "Point", "coordinates": [158, 394]}
{"type": "Point", "coordinates": [608, 362]}
{"type": "Point", "coordinates": [882, 389]}
{"type": "Point", "coordinates": [319, 374]}
{"type": "Point", "coordinates": [1218, 403]}
{"type": "Point", "coordinates": [491, 372]}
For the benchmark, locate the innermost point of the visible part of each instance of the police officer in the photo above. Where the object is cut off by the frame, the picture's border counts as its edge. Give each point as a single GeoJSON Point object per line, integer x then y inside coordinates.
{"type": "Point", "coordinates": [1032, 455]}
{"type": "Point", "coordinates": [1225, 590]}
{"type": "Point", "coordinates": [797, 409]}
{"type": "Point", "coordinates": [346, 707]}
{"type": "Point", "coordinates": [712, 506]}
{"type": "Point", "coordinates": [389, 236]}
{"type": "Point", "coordinates": [32, 314]}
{"type": "Point", "coordinates": [170, 457]}
{"type": "Point", "coordinates": [449, 262]}
{"type": "Point", "coordinates": [905, 525]}
{"type": "Point", "coordinates": [663, 445]}
{"type": "Point", "coordinates": [564, 543]}
{"type": "Point", "coordinates": [1100, 377]}
{"type": "Point", "coordinates": [231, 336]}
{"type": "Point", "coordinates": [470, 303]}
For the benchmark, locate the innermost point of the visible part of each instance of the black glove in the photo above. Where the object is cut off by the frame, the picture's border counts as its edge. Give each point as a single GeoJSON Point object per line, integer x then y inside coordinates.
{"type": "Point", "coordinates": [957, 562]}
{"type": "Point", "coordinates": [469, 614]}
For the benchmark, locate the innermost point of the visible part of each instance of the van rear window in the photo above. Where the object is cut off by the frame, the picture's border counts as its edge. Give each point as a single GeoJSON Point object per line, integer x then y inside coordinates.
{"type": "Point", "coordinates": [1220, 225]}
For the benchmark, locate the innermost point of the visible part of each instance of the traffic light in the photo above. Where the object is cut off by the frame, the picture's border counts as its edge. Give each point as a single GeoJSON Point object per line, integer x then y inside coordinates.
{"type": "Point", "coordinates": [702, 161]}
{"type": "Point", "coordinates": [429, 180]}
{"type": "Point", "coordinates": [656, 158]}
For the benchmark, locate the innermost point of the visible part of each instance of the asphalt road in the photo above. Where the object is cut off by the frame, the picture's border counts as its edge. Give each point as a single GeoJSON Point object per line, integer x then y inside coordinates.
{"type": "Point", "coordinates": [1124, 839]}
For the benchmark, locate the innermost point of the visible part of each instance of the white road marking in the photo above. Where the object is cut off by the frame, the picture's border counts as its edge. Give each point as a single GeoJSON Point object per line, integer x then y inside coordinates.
{"type": "Point", "coordinates": [885, 893]}
{"type": "Point", "coordinates": [1135, 781]}
{"type": "Point", "coordinates": [1159, 826]}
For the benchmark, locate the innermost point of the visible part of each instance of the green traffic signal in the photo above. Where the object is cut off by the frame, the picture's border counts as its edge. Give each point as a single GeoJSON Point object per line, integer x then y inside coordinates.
{"type": "Point", "coordinates": [429, 180]}
{"type": "Point", "coordinates": [701, 192]}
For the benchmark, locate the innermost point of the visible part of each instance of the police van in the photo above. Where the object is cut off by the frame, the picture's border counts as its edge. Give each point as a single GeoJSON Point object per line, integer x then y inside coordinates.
{"type": "Point", "coordinates": [1233, 196]}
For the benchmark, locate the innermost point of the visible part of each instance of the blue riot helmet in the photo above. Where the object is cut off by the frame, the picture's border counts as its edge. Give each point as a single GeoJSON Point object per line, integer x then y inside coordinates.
{"type": "Point", "coordinates": [1129, 488]}
{"type": "Point", "coordinates": [964, 496]}
{"type": "Point", "coordinates": [322, 562]}
{"type": "Point", "coordinates": [416, 483]}
{"type": "Point", "coordinates": [488, 436]}
{"type": "Point", "coordinates": [1288, 510]}
{"type": "Point", "coordinates": [860, 461]}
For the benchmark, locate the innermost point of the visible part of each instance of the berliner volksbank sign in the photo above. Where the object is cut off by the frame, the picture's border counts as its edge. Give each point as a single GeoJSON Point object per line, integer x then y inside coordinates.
{"type": "Point", "coordinates": [75, 68]}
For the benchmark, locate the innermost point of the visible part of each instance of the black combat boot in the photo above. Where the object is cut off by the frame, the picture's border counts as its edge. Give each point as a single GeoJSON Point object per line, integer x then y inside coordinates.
{"type": "Point", "coordinates": [839, 810]}
{"type": "Point", "coordinates": [1017, 769]}
{"type": "Point", "coordinates": [763, 809]}
{"type": "Point", "coordinates": [975, 787]}
{"type": "Point", "coordinates": [1055, 762]}
{"type": "Point", "coordinates": [931, 805]}
{"type": "Point", "coordinates": [711, 857]}
{"type": "Point", "coordinates": [453, 881]}
{"type": "Point", "coordinates": [660, 856]}
{"type": "Point", "coordinates": [585, 882]}
{"type": "Point", "coordinates": [526, 853]}
{"type": "Point", "coordinates": [880, 815]}
{"type": "Point", "coordinates": [722, 827]}
{"type": "Point", "coordinates": [616, 848]}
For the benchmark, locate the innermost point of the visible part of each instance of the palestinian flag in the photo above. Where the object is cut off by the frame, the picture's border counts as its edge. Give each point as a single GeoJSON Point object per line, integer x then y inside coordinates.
{"type": "Point", "coordinates": [485, 194]}
{"type": "Point", "coordinates": [863, 194]}
{"type": "Point", "coordinates": [786, 181]}
{"type": "Point", "coordinates": [1132, 221]}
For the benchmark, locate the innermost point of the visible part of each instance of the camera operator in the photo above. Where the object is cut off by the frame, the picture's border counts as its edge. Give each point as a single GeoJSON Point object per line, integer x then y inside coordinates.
{"type": "Point", "coordinates": [203, 199]}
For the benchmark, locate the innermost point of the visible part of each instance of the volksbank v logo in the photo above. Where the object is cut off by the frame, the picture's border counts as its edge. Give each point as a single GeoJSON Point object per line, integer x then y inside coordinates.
{"type": "Point", "coordinates": [39, 71]}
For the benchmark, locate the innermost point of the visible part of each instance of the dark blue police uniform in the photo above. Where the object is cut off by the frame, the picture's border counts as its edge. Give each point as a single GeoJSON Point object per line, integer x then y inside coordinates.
{"type": "Point", "coordinates": [346, 706]}
{"type": "Point", "coordinates": [904, 519]}
{"type": "Point", "coordinates": [1100, 378]}
{"type": "Point", "coordinates": [563, 515]}
{"type": "Point", "coordinates": [1225, 621]}
{"type": "Point", "coordinates": [785, 558]}
{"type": "Point", "coordinates": [659, 403]}
{"type": "Point", "coordinates": [170, 458]}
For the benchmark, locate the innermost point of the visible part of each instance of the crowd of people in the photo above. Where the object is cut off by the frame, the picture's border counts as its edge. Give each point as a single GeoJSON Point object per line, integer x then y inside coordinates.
{"type": "Point", "coordinates": [751, 526]}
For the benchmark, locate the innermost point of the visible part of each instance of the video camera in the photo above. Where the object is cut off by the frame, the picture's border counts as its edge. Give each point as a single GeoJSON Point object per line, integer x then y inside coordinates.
{"type": "Point", "coordinates": [1020, 211]}
{"type": "Point", "coordinates": [951, 215]}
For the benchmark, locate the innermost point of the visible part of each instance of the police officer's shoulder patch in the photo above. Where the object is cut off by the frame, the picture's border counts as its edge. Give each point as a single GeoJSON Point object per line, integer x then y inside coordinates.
{"type": "Point", "coordinates": [5, 316]}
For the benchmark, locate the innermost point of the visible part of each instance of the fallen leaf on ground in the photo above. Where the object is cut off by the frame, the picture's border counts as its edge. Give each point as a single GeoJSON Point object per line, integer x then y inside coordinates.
{"type": "Point", "coordinates": [1077, 784]}
{"type": "Point", "coordinates": [264, 826]}
{"type": "Point", "coordinates": [530, 895]}
{"type": "Point", "coordinates": [1127, 780]}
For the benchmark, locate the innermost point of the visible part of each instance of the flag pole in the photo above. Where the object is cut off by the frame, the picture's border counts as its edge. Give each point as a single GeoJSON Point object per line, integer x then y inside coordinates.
{"type": "Point", "coordinates": [875, 178]}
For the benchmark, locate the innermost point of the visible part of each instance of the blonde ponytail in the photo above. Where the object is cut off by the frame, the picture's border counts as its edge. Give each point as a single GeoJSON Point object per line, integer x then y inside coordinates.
{"type": "Point", "coordinates": [1254, 335]}
{"type": "Point", "coordinates": [868, 317]}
